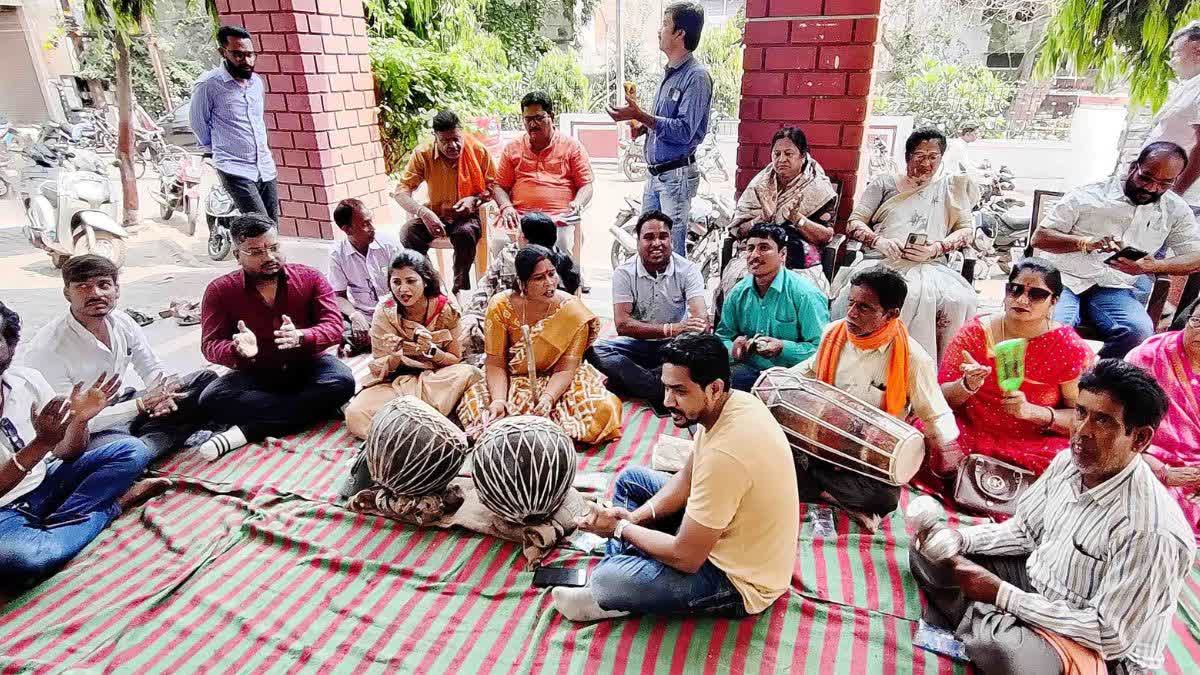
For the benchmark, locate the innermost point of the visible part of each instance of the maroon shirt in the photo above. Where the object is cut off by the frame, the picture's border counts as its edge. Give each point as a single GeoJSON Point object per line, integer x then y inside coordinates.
{"type": "Point", "coordinates": [305, 297]}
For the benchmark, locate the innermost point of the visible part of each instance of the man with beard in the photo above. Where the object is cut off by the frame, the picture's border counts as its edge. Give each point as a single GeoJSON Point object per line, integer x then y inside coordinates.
{"type": "Point", "coordinates": [1102, 237]}
{"type": "Point", "coordinates": [270, 322]}
{"type": "Point", "coordinates": [93, 338]}
{"type": "Point", "coordinates": [717, 538]}
{"type": "Point", "coordinates": [870, 355]}
{"type": "Point", "coordinates": [774, 316]}
{"type": "Point", "coordinates": [56, 493]}
{"type": "Point", "coordinates": [657, 295]}
{"type": "Point", "coordinates": [1085, 577]}
{"type": "Point", "coordinates": [459, 174]}
{"type": "Point", "coordinates": [227, 118]}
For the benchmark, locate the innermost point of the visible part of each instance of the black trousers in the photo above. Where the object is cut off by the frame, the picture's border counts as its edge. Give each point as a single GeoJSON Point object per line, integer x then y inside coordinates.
{"type": "Point", "coordinates": [280, 402]}
{"type": "Point", "coordinates": [463, 234]}
{"type": "Point", "coordinates": [252, 196]}
{"type": "Point", "coordinates": [169, 432]}
{"type": "Point", "coordinates": [854, 491]}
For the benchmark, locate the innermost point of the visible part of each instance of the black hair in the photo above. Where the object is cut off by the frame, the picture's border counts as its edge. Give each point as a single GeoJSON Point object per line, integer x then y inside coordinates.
{"type": "Point", "coordinates": [889, 286]}
{"type": "Point", "coordinates": [424, 269]}
{"type": "Point", "coordinates": [445, 120]}
{"type": "Point", "coordinates": [653, 215]}
{"type": "Point", "coordinates": [1143, 400]}
{"type": "Point", "coordinates": [1049, 272]}
{"type": "Point", "coordinates": [769, 231]}
{"type": "Point", "coordinates": [10, 326]}
{"type": "Point", "coordinates": [703, 354]}
{"type": "Point", "coordinates": [1188, 33]}
{"type": "Point", "coordinates": [528, 259]}
{"type": "Point", "coordinates": [920, 136]}
{"type": "Point", "coordinates": [968, 128]}
{"type": "Point", "coordinates": [689, 18]}
{"type": "Point", "coordinates": [343, 215]}
{"type": "Point", "coordinates": [538, 98]}
{"type": "Point", "coordinates": [248, 226]}
{"type": "Point", "coordinates": [568, 273]}
{"type": "Point", "coordinates": [86, 267]}
{"type": "Point", "coordinates": [793, 134]}
{"type": "Point", "coordinates": [224, 33]}
{"type": "Point", "coordinates": [1165, 147]}
{"type": "Point", "coordinates": [1182, 316]}
{"type": "Point", "coordinates": [539, 229]}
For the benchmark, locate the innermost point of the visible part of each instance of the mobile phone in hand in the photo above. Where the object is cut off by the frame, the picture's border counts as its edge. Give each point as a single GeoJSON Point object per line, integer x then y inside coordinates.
{"type": "Point", "coordinates": [917, 239]}
{"type": "Point", "coordinates": [1129, 253]}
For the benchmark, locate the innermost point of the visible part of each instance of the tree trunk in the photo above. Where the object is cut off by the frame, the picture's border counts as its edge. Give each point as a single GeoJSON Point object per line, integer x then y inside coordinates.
{"type": "Point", "coordinates": [125, 139]}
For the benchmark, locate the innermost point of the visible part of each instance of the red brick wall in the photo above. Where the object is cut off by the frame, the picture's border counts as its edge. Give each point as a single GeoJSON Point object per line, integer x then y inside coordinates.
{"type": "Point", "coordinates": [808, 64]}
{"type": "Point", "coordinates": [320, 107]}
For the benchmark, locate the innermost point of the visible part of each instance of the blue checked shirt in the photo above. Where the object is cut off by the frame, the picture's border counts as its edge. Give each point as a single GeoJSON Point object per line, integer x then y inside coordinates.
{"type": "Point", "coordinates": [227, 117]}
{"type": "Point", "coordinates": [681, 109]}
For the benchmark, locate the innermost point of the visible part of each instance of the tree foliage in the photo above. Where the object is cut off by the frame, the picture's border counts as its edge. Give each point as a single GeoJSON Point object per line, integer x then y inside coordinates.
{"type": "Point", "coordinates": [1118, 39]}
{"type": "Point", "coordinates": [721, 51]}
{"type": "Point", "coordinates": [98, 62]}
{"type": "Point", "coordinates": [560, 76]}
{"type": "Point", "coordinates": [945, 95]}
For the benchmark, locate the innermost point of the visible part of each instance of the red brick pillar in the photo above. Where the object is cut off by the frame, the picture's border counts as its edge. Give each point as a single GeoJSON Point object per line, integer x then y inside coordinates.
{"type": "Point", "coordinates": [808, 63]}
{"type": "Point", "coordinates": [320, 107]}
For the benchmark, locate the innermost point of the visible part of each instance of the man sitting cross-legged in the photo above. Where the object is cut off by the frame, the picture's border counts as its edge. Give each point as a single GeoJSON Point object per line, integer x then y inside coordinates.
{"type": "Point", "coordinates": [657, 295]}
{"type": "Point", "coordinates": [870, 355]}
{"type": "Point", "coordinates": [774, 316]}
{"type": "Point", "coordinates": [271, 322]}
{"type": "Point", "coordinates": [719, 537]}
{"type": "Point", "coordinates": [56, 493]}
{"type": "Point", "coordinates": [92, 338]}
{"type": "Point", "coordinates": [1092, 563]}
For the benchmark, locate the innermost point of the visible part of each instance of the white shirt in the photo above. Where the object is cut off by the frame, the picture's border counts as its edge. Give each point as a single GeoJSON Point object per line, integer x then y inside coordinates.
{"type": "Point", "coordinates": [1100, 210]}
{"type": "Point", "coordinates": [66, 353]}
{"type": "Point", "coordinates": [1107, 564]}
{"type": "Point", "coordinates": [23, 388]}
{"type": "Point", "coordinates": [364, 278]}
{"type": "Point", "coordinates": [863, 373]}
{"type": "Point", "coordinates": [1177, 122]}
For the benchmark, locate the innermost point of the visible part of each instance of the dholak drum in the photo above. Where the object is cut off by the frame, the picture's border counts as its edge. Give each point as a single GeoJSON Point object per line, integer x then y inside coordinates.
{"type": "Point", "coordinates": [827, 423]}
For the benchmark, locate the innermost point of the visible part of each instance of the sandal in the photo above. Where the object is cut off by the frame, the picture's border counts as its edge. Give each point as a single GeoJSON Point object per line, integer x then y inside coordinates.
{"type": "Point", "coordinates": [139, 318]}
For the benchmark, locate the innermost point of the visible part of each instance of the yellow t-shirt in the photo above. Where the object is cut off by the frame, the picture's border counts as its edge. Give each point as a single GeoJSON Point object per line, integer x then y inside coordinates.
{"type": "Point", "coordinates": [744, 484]}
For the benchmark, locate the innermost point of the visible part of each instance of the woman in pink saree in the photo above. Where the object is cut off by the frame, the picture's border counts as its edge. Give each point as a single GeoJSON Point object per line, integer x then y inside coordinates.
{"type": "Point", "coordinates": [1174, 360]}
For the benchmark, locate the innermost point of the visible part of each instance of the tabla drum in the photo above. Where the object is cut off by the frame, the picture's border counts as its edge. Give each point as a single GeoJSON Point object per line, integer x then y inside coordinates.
{"type": "Point", "coordinates": [825, 422]}
{"type": "Point", "coordinates": [412, 449]}
{"type": "Point", "coordinates": [523, 468]}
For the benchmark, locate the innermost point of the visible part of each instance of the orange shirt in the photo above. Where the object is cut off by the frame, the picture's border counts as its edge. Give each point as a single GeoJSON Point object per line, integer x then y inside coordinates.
{"type": "Point", "coordinates": [427, 165]}
{"type": "Point", "coordinates": [545, 181]}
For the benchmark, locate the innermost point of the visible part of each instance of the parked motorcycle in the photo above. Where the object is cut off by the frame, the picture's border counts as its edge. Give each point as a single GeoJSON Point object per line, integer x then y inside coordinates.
{"type": "Point", "coordinates": [179, 187]}
{"type": "Point", "coordinates": [710, 162]}
{"type": "Point", "coordinates": [70, 205]}
{"type": "Point", "coordinates": [631, 155]}
{"type": "Point", "coordinates": [218, 211]}
{"type": "Point", "coordinates": [710, 217]}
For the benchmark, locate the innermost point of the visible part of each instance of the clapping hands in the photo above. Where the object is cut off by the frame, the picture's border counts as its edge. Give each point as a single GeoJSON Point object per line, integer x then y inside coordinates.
{"type": "Point", "coordinates": [245, 342]}
{"type": "Point", "coordinates": [288, 336]}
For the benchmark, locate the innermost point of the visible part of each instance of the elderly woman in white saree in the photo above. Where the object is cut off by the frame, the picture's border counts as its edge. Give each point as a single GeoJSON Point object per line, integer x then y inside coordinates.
{"type": "Point", "coordinates": [794, 193]}
{"type": "Point", "coordinates": [920, 205]}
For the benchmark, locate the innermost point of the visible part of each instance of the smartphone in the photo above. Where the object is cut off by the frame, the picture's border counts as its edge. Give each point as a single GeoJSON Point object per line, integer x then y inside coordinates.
{"type": "Point", "coordinates": [559, 576]}
{"type": "Point", "coordinates": [1129, 253]}
{"type": "Point", "coordinates": [917, 239]}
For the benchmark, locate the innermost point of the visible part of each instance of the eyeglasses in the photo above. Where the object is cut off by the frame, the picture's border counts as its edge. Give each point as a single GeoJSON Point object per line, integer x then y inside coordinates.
{"type": "Point", "coordinates": [924, 157]}
{"type": "Point", "coordinates": [239, 54]}
{"type": "Point", "coordinates": [1035, 294]}
{"type": "Point", "coordinates": [260, 252]}
{"type": "Point", "coordinates": [1150, 181]}
{"type": "Point", "coordinates": [536, 119]}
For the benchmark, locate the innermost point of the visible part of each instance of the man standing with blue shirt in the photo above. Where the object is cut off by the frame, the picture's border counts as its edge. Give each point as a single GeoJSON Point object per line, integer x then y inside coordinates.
{"type": "Point", "coordinates": [227, 118]}
{"type": "Point", "coordinates": [679, 122]}
{"type": "Point", "coordinates": [656, 296]}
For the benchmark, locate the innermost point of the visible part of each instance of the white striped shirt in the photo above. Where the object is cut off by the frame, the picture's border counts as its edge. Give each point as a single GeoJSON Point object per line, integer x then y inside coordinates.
{"type": "Point", "coordinates": [1107, 563]}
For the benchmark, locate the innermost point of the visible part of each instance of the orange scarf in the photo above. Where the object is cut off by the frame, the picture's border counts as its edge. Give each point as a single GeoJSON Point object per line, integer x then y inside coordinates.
{"type": "Point", "coordinates": [472, 165]}
{"type": "Point", "coordinates": [895, 396]}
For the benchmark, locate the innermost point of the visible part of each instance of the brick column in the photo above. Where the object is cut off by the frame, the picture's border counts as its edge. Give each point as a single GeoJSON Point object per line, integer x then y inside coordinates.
{"type": "Point", "coordinates": [808, 63]}
{"type": "Point", "coordinates": [320, 107]}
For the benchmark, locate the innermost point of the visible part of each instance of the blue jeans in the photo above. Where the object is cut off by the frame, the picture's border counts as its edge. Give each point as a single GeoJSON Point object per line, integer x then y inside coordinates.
{"type": "Point", "coordinates": [633, 366]}
{"type": "Point", "coordinates": [631, 581]}
{"type": "Point", "coordinates": [45, 528]}
{"type": "Point", "coordinates": [1115, 312]}
{"type": "Point", "coordinates": [742, 376]}
{"type": "Point", "coordinates": [672, 192]}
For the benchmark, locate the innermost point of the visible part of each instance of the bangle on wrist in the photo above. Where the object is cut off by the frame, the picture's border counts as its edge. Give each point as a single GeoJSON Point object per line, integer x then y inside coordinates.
{"type": "Point", "coordinates": [17, 464]}
{"type": "Point", "coordinates": [619, 530]}
{"type": "Point", "coordinates": [963, 381]}
{"type": "Point", "coordinates": [1050, 422]}
{"type": "Point", "coordinates": [653, 512]}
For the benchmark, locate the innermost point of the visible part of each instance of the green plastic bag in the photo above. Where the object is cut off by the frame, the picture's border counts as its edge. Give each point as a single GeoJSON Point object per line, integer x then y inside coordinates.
{"type": "Point", "coordinates": [1010, 364]}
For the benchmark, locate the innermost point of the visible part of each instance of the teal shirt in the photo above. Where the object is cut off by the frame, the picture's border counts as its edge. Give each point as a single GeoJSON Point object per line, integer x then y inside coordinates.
{"type": "Point", "coordinates": [793, 310]}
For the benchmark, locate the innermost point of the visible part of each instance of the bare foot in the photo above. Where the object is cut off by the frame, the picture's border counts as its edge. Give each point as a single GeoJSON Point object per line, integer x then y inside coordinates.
{"type": "Point", "coordinates": [144, 490]}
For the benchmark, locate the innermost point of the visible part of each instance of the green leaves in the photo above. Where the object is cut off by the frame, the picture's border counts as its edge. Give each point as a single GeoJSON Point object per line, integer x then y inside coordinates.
{"type": "Point", "coordinates": [946, 95]}
{"type": "Point", "coordinates": [559, 75]}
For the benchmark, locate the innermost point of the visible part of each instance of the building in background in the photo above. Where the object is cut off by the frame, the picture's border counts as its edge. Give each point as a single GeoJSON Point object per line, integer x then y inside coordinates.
{"type": "Point", "coordinates": [30, 59]}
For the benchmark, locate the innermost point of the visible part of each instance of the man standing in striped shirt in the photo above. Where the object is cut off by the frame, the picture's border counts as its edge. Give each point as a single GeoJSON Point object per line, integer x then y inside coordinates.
{"type": "Point", "coordinates": [1089, 569]}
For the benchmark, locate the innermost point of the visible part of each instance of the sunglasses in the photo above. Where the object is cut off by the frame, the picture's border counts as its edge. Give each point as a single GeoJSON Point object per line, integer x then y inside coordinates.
{"type": "Point", "coordinates": [1035, 294]}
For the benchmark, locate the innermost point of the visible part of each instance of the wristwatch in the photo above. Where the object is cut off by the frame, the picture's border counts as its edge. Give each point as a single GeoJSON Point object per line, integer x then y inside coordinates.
{"type": "Point", "coordinates": [620, 528]}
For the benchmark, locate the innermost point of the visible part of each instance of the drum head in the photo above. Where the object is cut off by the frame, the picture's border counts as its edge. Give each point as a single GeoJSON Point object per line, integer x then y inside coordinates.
{"type": "Point", "coordinates": [906, 461]}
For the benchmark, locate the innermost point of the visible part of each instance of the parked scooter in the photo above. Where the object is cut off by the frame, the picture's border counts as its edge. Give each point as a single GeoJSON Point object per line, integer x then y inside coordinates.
{"type": "Point", "coordinates": [70, 204]}
{"type": "Point", "coordinates": [631, 155]}
{"type": "Point", "coordinates": [218, 211]}
{"type": "Point", "coordinates": [710, 217]}
{"type": "Point", "coordinates": [179, 187]}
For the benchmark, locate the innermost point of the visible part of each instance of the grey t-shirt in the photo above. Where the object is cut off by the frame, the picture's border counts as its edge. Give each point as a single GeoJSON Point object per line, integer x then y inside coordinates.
{"type": "Point", "coordinates": [662, 299]}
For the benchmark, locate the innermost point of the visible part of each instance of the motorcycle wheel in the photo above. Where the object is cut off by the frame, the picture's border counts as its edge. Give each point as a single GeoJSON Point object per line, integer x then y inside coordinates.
{"type": "Point", "coordinates": [634, 170]}
{"type": "Point", "coordinates": [4, 188]}
{"type": "Point", "coordinates": [191, 207]}
{"type": "Point", "coordinates": [617, 255]}
{"type": "Point", "coordinates": [166, 209]}
{"type": "Point", "coordinates": [220, 243]}
{"type": "Point", "coordinates": [107, 244]}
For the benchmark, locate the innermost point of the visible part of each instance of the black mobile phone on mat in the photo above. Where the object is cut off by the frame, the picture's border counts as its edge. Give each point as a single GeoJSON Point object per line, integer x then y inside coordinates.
{"type": "Point", "coordinates": [559, 576]}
